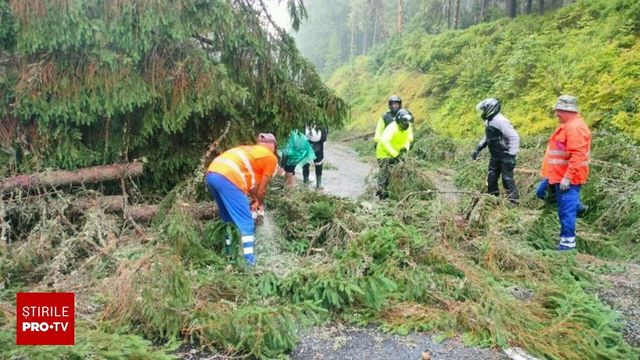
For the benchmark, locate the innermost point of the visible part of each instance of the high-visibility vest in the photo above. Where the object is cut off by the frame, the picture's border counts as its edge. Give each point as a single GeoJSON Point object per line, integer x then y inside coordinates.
{"type": "Point", "coordinates": [393, 139]}
{"type": "Point", "coordinates": [245, 166]}
{"type": "Point", "coordinates": [568, 153]}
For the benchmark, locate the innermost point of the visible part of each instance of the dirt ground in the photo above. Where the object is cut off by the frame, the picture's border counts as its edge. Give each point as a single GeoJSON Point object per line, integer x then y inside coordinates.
{"type": "Point", "coordinates": [343, 174]}
{"type": "Point", "coordinates": [622, 293]}
{"type": "Point", "coordinates": [337, 342]}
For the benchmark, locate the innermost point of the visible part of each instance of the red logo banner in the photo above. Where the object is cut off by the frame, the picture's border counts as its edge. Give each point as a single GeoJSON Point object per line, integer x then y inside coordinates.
{"type": "Point", "coordinates": [45, 319]}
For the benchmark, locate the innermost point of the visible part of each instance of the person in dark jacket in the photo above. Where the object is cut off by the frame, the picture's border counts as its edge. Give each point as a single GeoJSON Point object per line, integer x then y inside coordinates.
{"type": "Point", "coordinates": [317, 136]}
{"type": "Point", "coordinates": [503, 142]}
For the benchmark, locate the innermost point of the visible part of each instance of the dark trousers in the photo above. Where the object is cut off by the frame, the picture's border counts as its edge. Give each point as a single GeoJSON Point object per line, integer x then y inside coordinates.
{"type": "Point", "coordinates": [383, 176]}
{"type": "Point", "coordinates": [317, 162]}
{"type": "Point", "coordinates": [502, 166]}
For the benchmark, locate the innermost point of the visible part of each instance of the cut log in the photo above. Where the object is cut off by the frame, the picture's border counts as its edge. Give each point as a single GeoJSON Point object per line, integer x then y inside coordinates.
{"type": "Point", "coordinates": [142, 213]}
{"type": "Point", "coordinates": [358, 137]}
{"type": "Point", "coordinates": [81, 176]}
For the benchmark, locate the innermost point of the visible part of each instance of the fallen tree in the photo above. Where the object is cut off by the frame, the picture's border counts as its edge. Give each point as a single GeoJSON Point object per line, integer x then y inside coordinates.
{"type": "Point", "coordinates": [142, 213]}
{"type": "Point", "coordinates": [81, 176]}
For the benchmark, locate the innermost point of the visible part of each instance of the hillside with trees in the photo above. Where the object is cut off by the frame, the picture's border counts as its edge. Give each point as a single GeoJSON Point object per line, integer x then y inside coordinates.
{"type": "Point", "coordinates": [336, 31]}
{"type": "Point", "coordinates": [526, 63]}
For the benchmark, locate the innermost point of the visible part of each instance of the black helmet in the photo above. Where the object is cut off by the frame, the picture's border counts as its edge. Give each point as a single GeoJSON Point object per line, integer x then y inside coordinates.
{"type": "Point", "coordinates": [489, 107]}
{"type": "Point", "coordinates": [404, 118]}
{"type": "Point", "coordinates": [394, 99]}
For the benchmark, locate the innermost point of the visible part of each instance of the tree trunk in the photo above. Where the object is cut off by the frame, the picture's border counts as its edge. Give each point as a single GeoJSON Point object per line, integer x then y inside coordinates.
{"type": "Point", "coordinates": [528, 7]}
{"type": "Point", "coordinates": [59, 178]}
{"type": "Point", "coordinates": [365, 28]}
{"type": "Point", "coordinates": [142, 213]}
{"type": "Point", "coordinates": [352, 47]}
{"type": "Point", "coordinates": [449, 14]}
{"type": "Point", "coordinates": [400, 16]}
{"type": "Point", "coordinates": [541, 7]}
{"type": "Point", "coordinates": [483, 7]}
{"type": "Point", "coordinates": [374, 40]}
{"type": "Point", "coordinates": [374, 13]}
{"type": "Point", "coordinates": [511, 8]}
{"type": "Point", "coordinates": [456, 17]}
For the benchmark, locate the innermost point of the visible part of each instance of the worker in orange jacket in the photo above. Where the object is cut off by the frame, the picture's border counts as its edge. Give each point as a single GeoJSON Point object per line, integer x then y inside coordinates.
{"type": "Point", "coordinates": [233, 176]}
{"type": "Point", "coordinates": [565, 166]}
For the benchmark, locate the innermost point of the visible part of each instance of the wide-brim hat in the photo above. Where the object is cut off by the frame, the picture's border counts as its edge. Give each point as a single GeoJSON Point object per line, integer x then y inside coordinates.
{"type": "Point", "coordinates": [567, 103]}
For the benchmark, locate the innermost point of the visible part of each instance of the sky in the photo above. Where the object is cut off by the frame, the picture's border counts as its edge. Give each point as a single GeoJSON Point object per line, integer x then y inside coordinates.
{"type": "Point", "coordinates": [279, 13]}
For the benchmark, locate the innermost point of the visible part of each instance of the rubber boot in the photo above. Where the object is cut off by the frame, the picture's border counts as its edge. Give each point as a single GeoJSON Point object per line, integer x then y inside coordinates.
{"type": "Point", "coordinates": [319, 182]}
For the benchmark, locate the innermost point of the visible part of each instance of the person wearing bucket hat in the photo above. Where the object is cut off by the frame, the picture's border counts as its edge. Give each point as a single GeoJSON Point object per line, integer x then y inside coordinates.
{"type": "Point", "coordinates": [235, 175]}
{"type": "Point", "coordinates": [503, 142]}
{"type": "Point", "coordinates": [565, 166]}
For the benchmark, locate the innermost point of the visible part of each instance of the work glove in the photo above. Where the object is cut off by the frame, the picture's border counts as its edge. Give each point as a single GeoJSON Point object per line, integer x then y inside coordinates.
{"type": "Point", "coordinates": [541, 190]}
{"type": "Point", "coordinates": [565, 184]}
{"type": "Point", "coordinates": [475, 154]}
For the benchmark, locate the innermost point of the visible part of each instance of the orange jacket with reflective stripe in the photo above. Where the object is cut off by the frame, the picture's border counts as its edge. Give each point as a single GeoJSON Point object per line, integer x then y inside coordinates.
{"type": "Point", "coordinates": [245, 166]}
{"type": "Point", "coordinates": [568, 153]}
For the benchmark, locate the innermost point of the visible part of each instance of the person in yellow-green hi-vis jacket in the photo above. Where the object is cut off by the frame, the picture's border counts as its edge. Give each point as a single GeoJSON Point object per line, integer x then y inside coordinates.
{"type": "Point", "coordinates": [395, 104]}
{"type": "Point", "coordinates": [395, 140]}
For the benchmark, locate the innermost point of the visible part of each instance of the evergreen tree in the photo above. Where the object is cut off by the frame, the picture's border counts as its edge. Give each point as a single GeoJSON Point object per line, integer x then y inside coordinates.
{"type": "Point", "coordinates": [95, 81]}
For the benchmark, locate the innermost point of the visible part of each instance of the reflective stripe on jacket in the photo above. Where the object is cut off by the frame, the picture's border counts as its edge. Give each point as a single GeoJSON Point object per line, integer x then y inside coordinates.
{"type": "Point", "coordinates": [245, 166]}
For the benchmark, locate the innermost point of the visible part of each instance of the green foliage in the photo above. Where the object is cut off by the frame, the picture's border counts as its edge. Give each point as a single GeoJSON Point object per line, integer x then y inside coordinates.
{"type": "Point", "coordinates": [97, 82]}
{"type": "Point", "coordinates": [7, 27]}
{"type": "Point", "coordinates": [428, 270]}
{"type": "Point", "coordinates": [90, 342]}
{"type": "Point", "coordinates": [262, 331]}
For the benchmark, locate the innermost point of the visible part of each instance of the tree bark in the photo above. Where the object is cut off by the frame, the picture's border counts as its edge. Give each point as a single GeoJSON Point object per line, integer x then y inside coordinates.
{"type": "Point", "coordinates": [352, 47]}
{"type": "Point", "coordinates": [541, 7]}
{"type": "Point", "coordinates": [528, 7]}
{"type": "Point", "coordinates": [400, 16]}
{"type": "Point", "coordinates": [483, 7]}
{"type": "Point", "coordinates": [59, 178]}
{"type": "Point", "coordinates": [511, 8]}
{"type": "Point", "coordinates": [365, 29]}
{"type": "Point", "coordinates": [142, 213]}
{"type": "Point", "coordinates": [456, 18]}
{"type": "Point", "coordinates": [375, 12]}
{"type": "Point", "coordinates": [449, 14]}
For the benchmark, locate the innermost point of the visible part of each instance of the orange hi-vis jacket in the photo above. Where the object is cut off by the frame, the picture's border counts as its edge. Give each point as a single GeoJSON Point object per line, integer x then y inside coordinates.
{"type": "Point", "coordinates": [245, 166]}
{"type": "Point", "coordinates": [568, 153]}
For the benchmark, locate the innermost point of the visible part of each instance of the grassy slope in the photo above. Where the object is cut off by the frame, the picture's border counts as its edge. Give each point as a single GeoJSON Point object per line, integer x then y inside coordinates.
{"type": "Point", "coordinates": [590, 49]}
